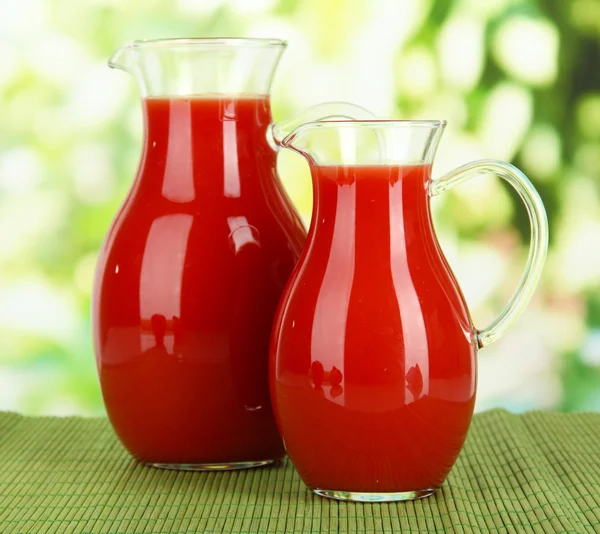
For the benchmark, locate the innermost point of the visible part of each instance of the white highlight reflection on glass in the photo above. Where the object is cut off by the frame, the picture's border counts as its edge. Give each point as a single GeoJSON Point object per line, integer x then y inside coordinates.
{"type": "Point", "coordinates": [411, 313]}
{"type": "Point", "coordinates": [328, 337]}
{"type": "Point", "coordinates": [231, 171]}
{"type": "Point", "coordinates": [178, 184]}
{"type": "Point", "coordinates": [162, 272]}
{"type": "Point", "coordinates": [241, 233]}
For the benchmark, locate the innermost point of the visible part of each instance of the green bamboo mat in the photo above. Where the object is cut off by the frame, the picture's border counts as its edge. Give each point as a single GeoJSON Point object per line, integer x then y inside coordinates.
{"type": "Point", "coordinates": [537, 472]}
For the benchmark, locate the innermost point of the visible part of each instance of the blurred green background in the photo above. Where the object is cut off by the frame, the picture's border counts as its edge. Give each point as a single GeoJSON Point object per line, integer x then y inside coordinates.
{"type": "Point", "coordinates": [517, 80]}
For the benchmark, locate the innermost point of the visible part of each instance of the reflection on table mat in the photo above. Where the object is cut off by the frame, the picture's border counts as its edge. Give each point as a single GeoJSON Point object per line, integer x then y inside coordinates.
{"type": "Point", "coordinates": [536, 472]}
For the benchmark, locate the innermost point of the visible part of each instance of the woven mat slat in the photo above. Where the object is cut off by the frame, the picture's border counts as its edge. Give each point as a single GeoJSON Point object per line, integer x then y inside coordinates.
{"type": "Point", "coordinates": [537, 472]}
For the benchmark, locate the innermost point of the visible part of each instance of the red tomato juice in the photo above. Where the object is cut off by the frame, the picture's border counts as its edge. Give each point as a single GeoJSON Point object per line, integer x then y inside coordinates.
{"type": "Point", "coordinates": [373, 350]}
{"type": "Point", "coordinates": [188, 283]}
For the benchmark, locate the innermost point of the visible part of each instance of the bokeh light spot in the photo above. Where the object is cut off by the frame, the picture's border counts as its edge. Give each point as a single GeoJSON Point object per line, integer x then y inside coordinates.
{"type": "Point", "coordinates": [527, 49]}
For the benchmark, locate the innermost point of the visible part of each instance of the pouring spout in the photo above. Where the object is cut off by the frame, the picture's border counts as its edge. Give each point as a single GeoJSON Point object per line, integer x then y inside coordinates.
{"type": "Point", "coordinates": [120, 58]}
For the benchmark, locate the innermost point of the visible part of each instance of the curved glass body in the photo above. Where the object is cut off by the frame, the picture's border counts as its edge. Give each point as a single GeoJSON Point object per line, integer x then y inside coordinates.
{"type": "Point", "coordinates": [373, 355]}
{"type": "Point", "coordinates": [195, 262]}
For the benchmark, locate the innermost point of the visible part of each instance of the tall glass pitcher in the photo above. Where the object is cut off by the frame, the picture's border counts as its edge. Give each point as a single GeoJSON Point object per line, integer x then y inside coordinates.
{"type": "Point", "coordinates": [196, 259]}
{"type": "Point", "coordinates": [373, 367]}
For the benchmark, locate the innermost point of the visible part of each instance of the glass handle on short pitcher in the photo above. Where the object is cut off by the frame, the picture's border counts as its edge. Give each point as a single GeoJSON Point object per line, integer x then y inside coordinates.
{"type": "Point", "coordinates": [539, 236]}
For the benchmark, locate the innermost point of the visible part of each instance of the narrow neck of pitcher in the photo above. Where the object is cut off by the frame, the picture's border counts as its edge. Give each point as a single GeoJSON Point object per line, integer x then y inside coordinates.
{"type": "Point", "coordinates": [375, 181]}
{"type": "Point", "coordinates": [200, 146]}
{"type": "Point", "coordinates": [200, 67]}
{"type": "Point", "coordinates": [365, 209]}
{"type": "Point", "coordinates": [367, 143]}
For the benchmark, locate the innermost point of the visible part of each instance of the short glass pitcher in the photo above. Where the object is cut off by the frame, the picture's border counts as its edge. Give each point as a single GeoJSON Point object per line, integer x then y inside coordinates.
{"type": "Point", "coordinates": [373, 354]}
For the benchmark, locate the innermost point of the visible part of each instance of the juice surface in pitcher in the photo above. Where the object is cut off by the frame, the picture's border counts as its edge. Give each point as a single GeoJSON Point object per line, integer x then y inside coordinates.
{"type": "Point", "coordinates": [188, 283]}
{"type": "Point", "coordinates": [373, 368]}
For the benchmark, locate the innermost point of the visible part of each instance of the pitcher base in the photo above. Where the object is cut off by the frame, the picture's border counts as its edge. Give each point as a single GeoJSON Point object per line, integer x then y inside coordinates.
{"type": "Point", "coordinates": [225, 466]}
{"type": "Point", "coordinates": [358, 496]}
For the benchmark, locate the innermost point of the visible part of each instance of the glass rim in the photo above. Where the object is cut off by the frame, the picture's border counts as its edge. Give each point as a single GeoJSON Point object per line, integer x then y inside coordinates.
{"type": "Point", "coordinates": [373, 123]}
{"type": "Point", "coordinates": [206, 42]}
